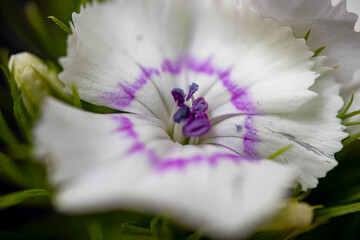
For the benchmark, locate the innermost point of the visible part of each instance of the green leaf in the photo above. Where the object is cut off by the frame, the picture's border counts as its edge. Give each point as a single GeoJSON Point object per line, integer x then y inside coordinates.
{"type": "Point", "coordinates": [77, 101]}
{"type": "Point", "coordinates": [130, 229]}
{"type": "Point", "coordinates": [6, 134]}
{"type": "Point", "coordinates": [11, 81]}
{"type": "Point", "coordinates": [37, 22]}
{"type": "Point", "coordinates": [279, 152]}
{"type": "Point", "coordinates": [21, 118]}
{"type": "Point", "coordinates": [63, 26]}
{"type": "Point", "coordinates": [4, 56]}
{"type": "Point", "coordinates": [342, 114]}
{"type": "Point", "coordinates": [10, 170]}
{"type": "Point", "coordinates": [337, 211]}
{"type": "Point", "coordinates": [95, 230]}
{"type": "Point", "coordinates": [55, 87]}
{"type": "Point", "coordinates": [350, 139]}
{"type": "Point", "coordinates": [98, 109]}
{"type": "Point", "coordinates": [349, 115]}
{"type": "Point", "coordinates": [351, 124]}
{"type": "Point", "coordinates": [318, 51]}
{"type": "Point", "coordinates": [297, 190]}
{"type": "Point", "coordinates": [306, 37]}
{"type": "Point", "coordinates": [18, 197]}
{"type": "Point", "coordinates": [194, 236]}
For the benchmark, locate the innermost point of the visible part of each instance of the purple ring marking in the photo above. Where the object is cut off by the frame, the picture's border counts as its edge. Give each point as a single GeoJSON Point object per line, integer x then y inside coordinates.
{"type": "Point", "coordinates": [240, 97]}
{"type": "Point", "coordinates": [127, 128]}
{"type": "Point", "coordinates": [126, 92]}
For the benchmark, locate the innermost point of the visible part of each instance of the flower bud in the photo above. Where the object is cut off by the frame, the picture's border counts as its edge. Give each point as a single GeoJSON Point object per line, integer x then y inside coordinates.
{"type": "Point", "coordinates": [296, 215]}
{"type": "Point", "coordinates": [32, 76]}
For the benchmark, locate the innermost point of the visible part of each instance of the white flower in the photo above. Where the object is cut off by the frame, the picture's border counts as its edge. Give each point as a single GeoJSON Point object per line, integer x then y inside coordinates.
{"type": "Point", "coordinates": [199, 158]}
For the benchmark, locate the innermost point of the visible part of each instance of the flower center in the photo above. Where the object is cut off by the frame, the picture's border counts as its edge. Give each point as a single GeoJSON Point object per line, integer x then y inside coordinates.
{"type": "Point", "coordinates": [192, 121]}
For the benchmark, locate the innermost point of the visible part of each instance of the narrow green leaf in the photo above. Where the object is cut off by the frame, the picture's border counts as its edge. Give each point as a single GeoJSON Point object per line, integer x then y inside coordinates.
{"type": "Point", "coordinates": [98, 109]}
{"type": "Point", "coordinates": [55, 86]}
{"type": "Point", "coordinates": [306, 37]}
{"type": "Point", "coordinates": [77, 101]}
{"type": "Point", "coordinates": [18, 197]}
{"type": "Point", "coordinates": [6, 134]}
{"type": "Point", "coordinates": [349, 115]}
{"type": "Point", "coordinates": [336, 67]}
{"type": "Point", "coordinates": [194, 236]}
{"type": "Point", "coordinates": [337, 211]}
{"type": "Point", "coordinates": [342, 114]}
{"type": "Point", "coordinates": [37, 22]}
{"type": "Point", "coordinates": [297, 190]}
{"type": "Point", "coordinates": [11, 81]}
{"type": "Point", "coordinates": [351, 124]}
{"type": "Point", "coordinates": [21, 119]}
{"type": "Point", "coordinates": [318, 51]}
{"type": "Point", "coordinates": [4, 56]}
{"type": "Point", "coordinates": [11, 171]}
{"type": "Point", "coordinates": [95, 230]}
{"type": "Point", "coordinates": [279, 152]}
{"type": "Point", "coordinates": [62, 25]}
{"type": "Point", "coordinates": [352, 198]}
{"type": "Point", "coordinates": [131, 229]}
{"type": "Point", "coordinates": [350, 139]}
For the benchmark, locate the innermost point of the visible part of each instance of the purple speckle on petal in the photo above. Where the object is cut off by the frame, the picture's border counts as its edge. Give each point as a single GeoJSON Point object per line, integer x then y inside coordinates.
{"type": "Point", "coordinates": [238, 128]}
{"type": "Point", "coordinates": [250, 139]}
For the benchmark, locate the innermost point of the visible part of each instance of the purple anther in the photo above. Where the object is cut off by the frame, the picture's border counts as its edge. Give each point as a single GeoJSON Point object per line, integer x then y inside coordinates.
{"type": "Point", "coordinates": [179, 96]}
{"type": "Point", "coordinates": [181, 114]}
{"type": "Point", "coordinates": [192, 89]}
{"type": "Point", "coordinates": [197, 126]}
{"type": "Point", "coordinates": [199, 106]}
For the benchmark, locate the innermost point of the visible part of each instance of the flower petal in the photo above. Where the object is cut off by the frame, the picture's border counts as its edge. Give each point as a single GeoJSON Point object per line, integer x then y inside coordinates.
{"type": "Point", "coordinates": [331, 26]}
{"type": "Point", "coordinates": [235, 62]}
{"type": "Point", "coordinates": [314, 132]}
{"type": "Point", "coordinates": [100, 162]}
{"type": "Point", "coordinates": [261, 66]}
{"type": "Point", "coordinates": [114, 49]}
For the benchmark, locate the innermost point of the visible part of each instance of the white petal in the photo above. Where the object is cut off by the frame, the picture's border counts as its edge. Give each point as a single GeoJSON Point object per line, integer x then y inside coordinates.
{"type": "Point", "coordinates": [314, 131]}
{"type": "Point", "coordinates": [103, 162]}
{"type": "Point", "coordinates": [330, 26]}
{"type": "Point", "coordinates": [115, 48]}
{"type": "Point", "coordinates": [128, 55]}
{"type": "Point", "coordinates": [261, 65]}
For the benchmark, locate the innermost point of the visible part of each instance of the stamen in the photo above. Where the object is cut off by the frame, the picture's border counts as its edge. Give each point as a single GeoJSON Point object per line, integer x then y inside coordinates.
{"type": "Point", "coordinates": [197, 126]}
{"type": "Point", "coordinates": [181, 114]}
{"type": "Point", "coordinates": [192, 89]}
{"type": "Point", "coordinates": [179, 96]}
{"type": "Point", "coordinates": [199, 106]}
{"type": "Point", "coordinates": [195, 122]}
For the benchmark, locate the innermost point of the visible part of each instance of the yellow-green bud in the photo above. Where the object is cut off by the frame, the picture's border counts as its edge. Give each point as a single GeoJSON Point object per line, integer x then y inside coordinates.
{"type": "Point", "coordinates": [32, 76]}
{"type": "Point", "coordinates": [28, 71]}
{"type": "Point", "coordinates": [295, 215]}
